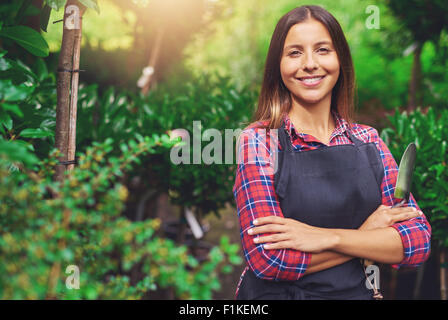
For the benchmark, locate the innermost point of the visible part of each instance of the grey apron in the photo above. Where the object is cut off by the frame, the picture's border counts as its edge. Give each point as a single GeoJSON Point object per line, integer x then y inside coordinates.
{"type": "Point", "coordinates": [330, 187]}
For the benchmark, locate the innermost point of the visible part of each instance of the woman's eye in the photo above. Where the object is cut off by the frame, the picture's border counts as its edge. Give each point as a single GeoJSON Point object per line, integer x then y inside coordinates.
{"type": "Point", "coordinates": [324, 50]}
{"type": "Point", "coordinates": [294, 53]}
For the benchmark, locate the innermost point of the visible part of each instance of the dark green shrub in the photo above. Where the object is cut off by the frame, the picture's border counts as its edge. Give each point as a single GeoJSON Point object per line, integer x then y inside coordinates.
{"type": "Point", "coordinates": [83, 226]}
{"type": "Point", "coordinates": [214, 104]}
{"type": "Point", "coordinates": [430, 181]}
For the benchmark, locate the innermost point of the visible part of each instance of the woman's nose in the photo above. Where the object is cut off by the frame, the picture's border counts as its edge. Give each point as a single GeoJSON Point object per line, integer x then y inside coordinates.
{"type": "Point", "coordinates": [310, 62]}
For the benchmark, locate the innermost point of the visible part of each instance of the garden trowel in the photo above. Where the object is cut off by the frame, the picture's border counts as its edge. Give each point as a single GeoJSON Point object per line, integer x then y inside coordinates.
{"type": "Point", "coordinates": [404, 180]}
{"type": "Point", "coordinates": [405, 173]}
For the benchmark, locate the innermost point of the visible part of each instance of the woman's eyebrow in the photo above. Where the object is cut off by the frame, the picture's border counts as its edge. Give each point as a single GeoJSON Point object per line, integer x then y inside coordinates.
{"type": "Point", "coordinates": [316, 44]}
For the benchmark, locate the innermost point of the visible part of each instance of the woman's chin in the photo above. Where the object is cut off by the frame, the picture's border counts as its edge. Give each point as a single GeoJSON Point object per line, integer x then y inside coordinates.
{"type": "Point", "coordinates": [310, 99]}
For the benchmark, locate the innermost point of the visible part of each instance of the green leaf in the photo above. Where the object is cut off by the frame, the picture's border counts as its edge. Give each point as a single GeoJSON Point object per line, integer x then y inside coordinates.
{"type": "Point", "coordinates": [14, 151]}
{"type": "Point", "coordinates": [237, 260]}
{"type": "Point", "coordinates": [227, 269]}
{"type": "Point", "coordinates": [16, 71]}
{"type": "Point", "coordinates": [56, 4]}
{"type": "Point", "coordinates": [6, 120]}
{"type": "Point", "coordinates": [92, 4]}
{"type": "Point", "coordinates": [35, 133]}
{"type": "Point", "coordinates": [11, 92]}
{"type": "Point", "coordinates": [28, 38]}
{"type": "Point", "coordinates": [25, 9]}
{"type": "Point", "coordinates": [12, 108]}
{"type": "Point", "coordinates": [45, 17]}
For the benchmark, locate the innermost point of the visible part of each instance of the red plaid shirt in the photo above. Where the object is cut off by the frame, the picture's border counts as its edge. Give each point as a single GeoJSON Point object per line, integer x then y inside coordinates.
{"type": "Point", "coordinates": [255, 197]}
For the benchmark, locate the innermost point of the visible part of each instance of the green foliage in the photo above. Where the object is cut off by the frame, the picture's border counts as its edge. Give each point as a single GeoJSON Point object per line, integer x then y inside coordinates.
{"type": "Point", "coordinates": [12, 14]}
{"type": "Point", "coordinates": [425, 20]}
{"type": "Point", "coordinates": [430, 181]}
{"type": "Point", "coordinates": [27, 104]}
{"type": "Point", "coordinates": [216, 104]}
{"type": "Point", "coordinates": [79, 222]}
{"type": "Point", "coordinates": [58, 4]}
{"type": "Point", "coordinates": [28, 38]}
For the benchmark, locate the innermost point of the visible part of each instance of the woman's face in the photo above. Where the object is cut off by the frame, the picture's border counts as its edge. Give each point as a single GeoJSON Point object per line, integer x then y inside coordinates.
{"type": "Point", "coordinates": [309, 52]}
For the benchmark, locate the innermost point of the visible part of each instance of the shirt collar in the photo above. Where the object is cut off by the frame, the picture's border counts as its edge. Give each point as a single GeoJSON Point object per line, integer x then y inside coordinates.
{"type": "Point", "coordinates": [341, 125]}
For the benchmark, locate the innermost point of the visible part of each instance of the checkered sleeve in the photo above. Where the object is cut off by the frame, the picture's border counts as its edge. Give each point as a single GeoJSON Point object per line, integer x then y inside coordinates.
{"type": "Point", "coordinates": [255, 197]}
{"type": "Point", "coordinates": [415, 233]}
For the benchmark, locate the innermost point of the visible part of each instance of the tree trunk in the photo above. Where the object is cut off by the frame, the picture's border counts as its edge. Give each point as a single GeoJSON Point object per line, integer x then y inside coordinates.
{"type": "Point", "coordinates": [415, 97]}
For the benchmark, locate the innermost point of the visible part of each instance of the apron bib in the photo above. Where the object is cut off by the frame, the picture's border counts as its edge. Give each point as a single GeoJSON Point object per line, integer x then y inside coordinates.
{"type": "Point", "coordinates": [330, 187]}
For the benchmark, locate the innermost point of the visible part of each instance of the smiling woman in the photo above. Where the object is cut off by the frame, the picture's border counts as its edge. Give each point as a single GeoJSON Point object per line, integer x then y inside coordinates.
{"type": "Point", "coordinates": [309, 70]}
{"type": "Point", "coordinates": [314, 48]}
{"type": "Point", "coordinates": [328, 204]}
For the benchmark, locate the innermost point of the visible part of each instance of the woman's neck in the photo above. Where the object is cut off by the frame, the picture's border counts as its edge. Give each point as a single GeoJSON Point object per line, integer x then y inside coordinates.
{"type": "Point", "coordinates": [312, 119]}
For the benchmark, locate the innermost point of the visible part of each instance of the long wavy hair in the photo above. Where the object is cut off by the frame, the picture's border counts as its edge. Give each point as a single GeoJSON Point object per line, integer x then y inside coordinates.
{"type": "Point", "coordinates": [275, 99]}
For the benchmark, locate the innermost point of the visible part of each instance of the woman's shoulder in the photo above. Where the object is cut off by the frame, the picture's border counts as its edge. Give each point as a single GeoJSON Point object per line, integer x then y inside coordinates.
{"type": "Point", "coordinates": [256, 135]}
{"type": "Point", "coordinates": [365, 132]}
{"type": "Point", "coordinates": [258, 129]}
{"type": "Point", "coordinates": [256, 125]}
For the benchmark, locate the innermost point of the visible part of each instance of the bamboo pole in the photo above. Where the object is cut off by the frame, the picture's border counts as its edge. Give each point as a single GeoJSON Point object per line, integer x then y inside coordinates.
{"type": "Point", "coordinates": [67, 91]}
{"type": "Point", "coordinates": [74, 96]}
{"type": "Point", "coordinates": [67, 86]}
{"type": "Point", "coordinates": [65, 62]}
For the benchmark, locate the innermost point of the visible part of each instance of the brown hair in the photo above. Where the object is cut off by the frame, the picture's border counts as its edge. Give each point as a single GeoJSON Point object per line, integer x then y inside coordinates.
{"type": "Point", "coordinates": [275, 100]}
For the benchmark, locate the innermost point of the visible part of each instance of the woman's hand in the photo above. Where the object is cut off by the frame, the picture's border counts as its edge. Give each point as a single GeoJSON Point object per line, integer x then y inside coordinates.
{"type": "Point", "coordinates": [287, 233]}
{"type": "Point", "coordinates": [385, 216]}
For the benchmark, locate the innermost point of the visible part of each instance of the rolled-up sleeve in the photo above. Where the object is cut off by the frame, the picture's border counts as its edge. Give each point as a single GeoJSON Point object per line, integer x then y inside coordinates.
{"type": "Point", "coordinates": [255, 197]}
{"type": "Point", "coordinates": [415, 233]}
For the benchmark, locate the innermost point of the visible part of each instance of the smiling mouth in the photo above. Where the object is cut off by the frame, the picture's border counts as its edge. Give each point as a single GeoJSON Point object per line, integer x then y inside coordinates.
{"type": "Point", "coordinates": [309, 81]}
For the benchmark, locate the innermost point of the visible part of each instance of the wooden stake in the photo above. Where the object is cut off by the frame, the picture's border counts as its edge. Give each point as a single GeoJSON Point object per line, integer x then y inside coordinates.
{"type": "Point", "coordinates": [67, 91]}
{"type": "Point", "coordinates": [74, 96]}
{"type": "Point", "coordinates": [443, 293]}
{"type": "Point", "coordinates": [65, 62]}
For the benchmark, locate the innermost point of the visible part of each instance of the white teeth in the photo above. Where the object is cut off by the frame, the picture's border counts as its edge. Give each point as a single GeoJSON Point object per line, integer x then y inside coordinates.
{"type": "Point", "coordinates": [311, 80]}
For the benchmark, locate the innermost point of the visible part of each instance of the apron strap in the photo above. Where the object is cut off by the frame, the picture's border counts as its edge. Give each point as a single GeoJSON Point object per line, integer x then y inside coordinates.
{"type": "Point", "coordinates": [358, 143]}
{"type": "Point", "coordinates": [285, 140]}
{"type": "Point", "coordinates": [281, 179]}
{"type": "Point", "coordinates": [355, 140]}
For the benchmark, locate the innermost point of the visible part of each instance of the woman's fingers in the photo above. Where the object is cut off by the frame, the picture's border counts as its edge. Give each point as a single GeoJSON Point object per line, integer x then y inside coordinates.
{"type": "Point", "coordinates": [278, 245]}
{"type": "Point", "coordinates": [272, 238]}
{"type": "Point", "coordinates": [269, 219]}
{"type": "Point", "coordinates": [405, 216]}
{"type": "Point", "coordinates": [268, 228]}
{"type": "Point", "coordinates": [401, 210]}
{"type": "Point", "coordinates": [267, 224]}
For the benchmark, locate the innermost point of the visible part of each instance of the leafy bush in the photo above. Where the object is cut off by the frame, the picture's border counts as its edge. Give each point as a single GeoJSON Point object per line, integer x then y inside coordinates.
{"type": "Point", "coordinates": [215, 104]}
{"type": "Point", "coordinates": [27, 104]}
{"type": "Point", "coordinates": [430, 181]}
{"type": "Point", "coordinates": [47, 226]}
